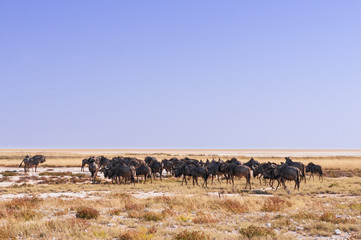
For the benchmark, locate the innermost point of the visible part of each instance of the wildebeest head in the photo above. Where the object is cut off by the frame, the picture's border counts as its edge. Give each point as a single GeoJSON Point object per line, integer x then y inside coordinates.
{"type": "Point", "coordinates": [309, 167]}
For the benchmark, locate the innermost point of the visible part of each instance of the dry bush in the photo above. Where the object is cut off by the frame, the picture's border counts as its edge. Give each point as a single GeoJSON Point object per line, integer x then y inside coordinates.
{"type": "Point", "coordinates": [152, 216]}
{"type": "Point", "coordinates": [254, 231]}
{"type": "Point", "coordinates": [204, 219]}
{"type": "Point", "coordinates": [23, 203]}
{"type": "Point", "coordinates": [26, 214]}
{"type": "Point", "coordinates": [134, 207]}
{"type": "Point", "coordinates": [114, 212]}
{"type": "Point", "coordinates": [191, 235]}
{"type": "Point", "coordinates": [305, 215]}
{"type": "Point", "coordinates": [87, 213]}
{"type": "Point", "coordinates": [331, 217]}
{"type": "Point", "coordinates": [233, 206]}
{"type": "Point", "coordinates": [140, 234]}
{"type": "Point", "coordinates": [9, 174]}
{"type": "Point", "coordinates": [275, 204]}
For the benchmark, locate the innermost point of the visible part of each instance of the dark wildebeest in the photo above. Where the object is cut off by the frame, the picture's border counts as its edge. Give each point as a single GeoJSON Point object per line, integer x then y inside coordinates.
{"type": "Point", "coordinates": [83, 163]}
{"type": "Point", "coordinates": [181, 170]}
{"type": "Point", "coordinates": [121, 170]}
{"type": "Point", "coordinates": [226, 167]}
{"type": "Point", "coordinates": [103, 161]}
{"type": "Point", "coordinates": [241, 171]}
{"type": "Point", "coordinates": [30, 162]}
{"type": "Point", "coordinates": [298, 165]}
{"type": "Point", "coordinates": [313, 168]}
{"type": "Point", "coordinates": [145, 171]}
{"type": "Point", "coordinates": [197, 171]}
{"type": "Point", "coordinates": [168, 166]}
{"type": "Point", "coordinates": [93, 168]}
{"type": "Point", "coordinates": [252, 163]}
{"type": "Point", "coordinates": [213, 169]}
{"type": "Point", "coordinates": [290, 173]}
{"type": "Point", "coordinates": [157, 167]}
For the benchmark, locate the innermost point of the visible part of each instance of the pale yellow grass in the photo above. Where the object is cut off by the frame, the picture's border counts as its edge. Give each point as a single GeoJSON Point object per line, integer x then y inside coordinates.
{"type": "Point", "coordinates": [342, 159]}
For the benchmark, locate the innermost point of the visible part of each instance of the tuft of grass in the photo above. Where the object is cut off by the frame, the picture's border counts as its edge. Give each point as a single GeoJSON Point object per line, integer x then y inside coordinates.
{"type": "Point", "coordinates": [275, 204]}
{"type": "Point", "coordinates": [23, 203]}
{"type": "Point", "coordinates": [134, 207]}
{"type": "Point", "coordinates": [87, 213]}
{"type": "Point", "coordinates": [204, 219]}
{"type": "Point", "coordinates": [191, 235]}
{"type": "Point", "coordinates": [115, 212]}
{"type": "Point", "coordinates": [152, 216]}
{"type": "Point", "coordinates": [9, 174]}
{"type": "Point", "coordinates": [233, 206]}
{"type": "Point", "coordinates": [253, 231]}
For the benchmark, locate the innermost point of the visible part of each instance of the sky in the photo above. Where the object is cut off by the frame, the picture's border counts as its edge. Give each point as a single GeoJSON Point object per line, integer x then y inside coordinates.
{"type": "Point", "coordinates": [180, 74]}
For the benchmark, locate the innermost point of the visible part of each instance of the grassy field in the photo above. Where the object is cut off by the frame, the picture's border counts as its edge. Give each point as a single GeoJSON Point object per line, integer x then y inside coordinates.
{"type": "Point", "coordinates": [65, 205]}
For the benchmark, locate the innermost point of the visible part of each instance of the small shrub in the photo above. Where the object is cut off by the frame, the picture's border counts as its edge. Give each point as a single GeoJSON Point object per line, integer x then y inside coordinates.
{"type": "Point", "coordinates": [305, 215]}
{"type": "Point", "coordinates": [115, 211]}
{"type": "Point", "coordinates": [328, 217]}
{"type": "Point", "coordinates": [152, 216]}
{"type": "Point", "coordinates": [134, 206]}
{"type": "Point", "coordinates": [152, 230]}
{"type": "Point", "coordinates": [204, 219]}
{"type": "Point", "coordinates": [191, 235]}
{"type": "Point", "coordinates": [183, 218]}
{"type": "Point", "coordinates": [233, 206]}
{"type": "Point", "coordinates": [26, 214]}
{"type": "Point", "coordinates": [9, 174]}
{"type": "Point", "coordinates": [254, 231]}
{"type": "Point", "coordinates": [275, 204]}
{"type": "Point", "coordinates": [87, 213]}
{"type": "Point", "coordinates": [23, 203]}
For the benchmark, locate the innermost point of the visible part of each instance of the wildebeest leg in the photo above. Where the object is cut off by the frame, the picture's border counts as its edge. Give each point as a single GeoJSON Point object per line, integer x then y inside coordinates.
{"type": "Point", "coordinates": [283, 183]}
{"type": "Point", "coordinates": [205, 181]}
{"type": "Point", "coordinates": [160, 174]}
{"type": "Point", "coordinates": [212, 179]}
{"type": "Point", "coordinates": [313, 177]}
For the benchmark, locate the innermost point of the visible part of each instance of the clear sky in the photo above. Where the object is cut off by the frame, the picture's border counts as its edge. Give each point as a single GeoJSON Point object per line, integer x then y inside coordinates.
{"type": "Point", "coordinates": [180, 74]}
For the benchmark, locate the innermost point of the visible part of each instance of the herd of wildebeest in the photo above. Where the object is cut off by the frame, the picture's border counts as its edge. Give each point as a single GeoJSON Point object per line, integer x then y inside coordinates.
{"type": "Point", "coordinates": [128, 169]}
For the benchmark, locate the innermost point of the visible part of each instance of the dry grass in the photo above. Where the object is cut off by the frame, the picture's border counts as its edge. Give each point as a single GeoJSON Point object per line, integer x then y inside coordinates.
{"type": "Point", "coordinates": [218, 212]}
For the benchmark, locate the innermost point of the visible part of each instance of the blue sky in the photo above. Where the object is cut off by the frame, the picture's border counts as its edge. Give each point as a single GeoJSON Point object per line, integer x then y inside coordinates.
{"type": "Point", "coordinates": [180, 74]}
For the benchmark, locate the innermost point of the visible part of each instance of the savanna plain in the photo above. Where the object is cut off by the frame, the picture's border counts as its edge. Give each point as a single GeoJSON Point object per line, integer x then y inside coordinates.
{"type": "Point", "coordinates": [59, 201]}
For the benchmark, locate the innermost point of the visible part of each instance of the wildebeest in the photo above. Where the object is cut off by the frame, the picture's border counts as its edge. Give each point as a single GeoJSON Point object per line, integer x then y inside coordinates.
{"type": "Point", "coordinates": [298, 165]}
{"type": "Point", "coordinates": [213, 169]}
{"type": "Point", "coordinates": [290, 173]}
{"type": "Point", "coordinates": [30, 162]}
{"type": "Point", "coordinates": [241, 171]}
{"type": "Point", "coordinates": [313, 168]}
{"type": "Point", "coordinates": [93, 168]}
{"type": "Point", "coordinates": [168, 166]}
{"type": "Point", "coordinates": [226, 167]}
{"type": "Point", "coordinates": [157, 167]}
{"type": "Point", "coordinates": [198, 171]}
{"type": "Point", "coordinates": [145, 171]}
{"type": "Point", "coordinates": [83, 163]}
{"type": "Point", "coordinates": [181, 170]}
{"type": "Point", "coordinates": [121, 170]}
{"type": "Point", "coordinates": [252, 163]}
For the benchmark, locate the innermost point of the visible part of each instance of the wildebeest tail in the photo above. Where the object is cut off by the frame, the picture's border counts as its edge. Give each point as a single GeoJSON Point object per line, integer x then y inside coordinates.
{"type": "Point", "coordinates": [21, 163]}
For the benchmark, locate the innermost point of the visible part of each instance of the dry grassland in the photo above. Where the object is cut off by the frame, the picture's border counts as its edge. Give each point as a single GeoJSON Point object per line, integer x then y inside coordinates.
{"type": "Point", "coordinates": [65, 205]}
